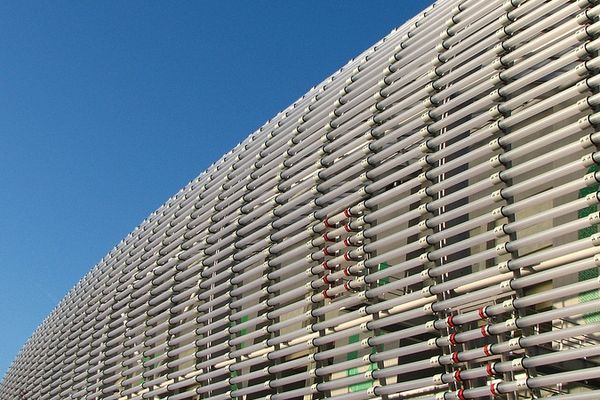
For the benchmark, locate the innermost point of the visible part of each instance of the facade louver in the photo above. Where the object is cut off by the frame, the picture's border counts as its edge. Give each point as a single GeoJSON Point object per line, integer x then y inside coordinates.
{"type": "Point", "coordinates": [421, 225]}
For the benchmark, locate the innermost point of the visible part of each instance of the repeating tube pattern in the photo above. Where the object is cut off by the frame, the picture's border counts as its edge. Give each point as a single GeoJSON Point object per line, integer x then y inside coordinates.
{"type": "Point", "coordinates": [421, 225]}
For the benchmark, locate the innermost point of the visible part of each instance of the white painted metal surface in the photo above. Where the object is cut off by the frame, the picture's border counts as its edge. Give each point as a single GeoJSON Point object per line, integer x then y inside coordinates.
{"type": "Point", "coordinates": [421, 225]}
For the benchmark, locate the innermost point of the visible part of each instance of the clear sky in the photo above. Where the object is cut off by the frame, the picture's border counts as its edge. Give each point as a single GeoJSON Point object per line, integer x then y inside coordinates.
{"type": "Point", "coordinates": [108, 108]}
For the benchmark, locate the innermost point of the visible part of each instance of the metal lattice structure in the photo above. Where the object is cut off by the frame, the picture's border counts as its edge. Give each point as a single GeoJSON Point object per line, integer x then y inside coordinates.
{"type": "Point", "coordinates": [421, 225]}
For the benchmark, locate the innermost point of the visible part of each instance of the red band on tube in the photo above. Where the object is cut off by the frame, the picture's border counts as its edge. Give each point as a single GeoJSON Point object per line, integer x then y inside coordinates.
{"type": "Point", "coordinates": [450, 321]}
{"type": "Point", "coordinates": [482, 313]}
{"type": "Point", "coordinates": [484, 331]}
{"type": "Point", "coordinates": [486, 350]}
{"type": "Point", "coordinates": [452, 339]}
{"type": "Point", "coordinates": [455, 359]}
{"type": "Point", "coordinates": [493, 390]}
{"type": "Point", "coordinates": [457, 376]}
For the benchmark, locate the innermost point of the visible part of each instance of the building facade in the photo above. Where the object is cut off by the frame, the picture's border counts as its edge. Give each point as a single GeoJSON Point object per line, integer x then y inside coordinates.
{"type": "Point", "coordinates": [421, 225]}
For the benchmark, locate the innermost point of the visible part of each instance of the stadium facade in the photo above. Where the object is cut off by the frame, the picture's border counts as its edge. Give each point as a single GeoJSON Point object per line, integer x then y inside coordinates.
{"type": "Point", "coordinates": [421, 225]}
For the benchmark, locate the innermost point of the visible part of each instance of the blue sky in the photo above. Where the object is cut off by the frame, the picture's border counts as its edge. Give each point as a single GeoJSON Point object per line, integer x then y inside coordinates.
{"type": "Point", "coordinates": [108, 108]}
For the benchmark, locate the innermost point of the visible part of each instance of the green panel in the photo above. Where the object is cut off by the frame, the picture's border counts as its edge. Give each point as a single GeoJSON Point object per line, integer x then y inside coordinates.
{"type": "Point", "coordinates": [242, 333]}
{"type": "Point", "coordinates": [233, 375]}
{"type": "Point", "coordinates": [357, 387]}
{"type": "Point", "coordinates": [582, 234]}
{"type": "Point", "coordinates": [385, 280]}
{"type": "Point", "coordinates": [141, 382]}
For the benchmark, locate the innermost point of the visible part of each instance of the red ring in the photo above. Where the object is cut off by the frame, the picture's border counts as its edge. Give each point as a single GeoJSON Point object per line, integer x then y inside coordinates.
{"type": "Point", "coordinates": [484, 331]}
{"type": "Point", "coordinates": [457, 377]}
{"type": "Point", "coordinates": [449, 321]}
{"type": "Point", "coordinates": [326, 279]}
{"type": "Point", "coordinates": [347, 287]}
{"type": "Point", "coordinates": [486, 350]}
{"type": "Point", "coordinates": [325, 252]}
{"type": "Point", "coordinates": [325, 266]}
{"type": "Point", "coordinates": [455, 359]}
{"type": "Point", "coordinates": [493, 390]}
{"type": "Point", "coordinates": [461, 394]}
{"type": "Point", "coordinates": [327, 224]}
{"type": "Point", "coordinates": [482, 313]}
{"type": "Point", "coordinates": [347, 243]}
{"type": "Point", "coordinates": [452, 339]}
{"type": "Point", "coordinates": [325, 295]}
{"type": "Point", "coordinates": [347, 213]}
{"type": "Point", "coordinates": [346, 271]}
{"type": "Point", "coordinates": [347, 228]}
{"type": "Point", "coordinates": [326, 238]}
{"type": "Point", "coordinates": [489, 369]}
{"type": "Point", "coordinates": [347, 256]}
